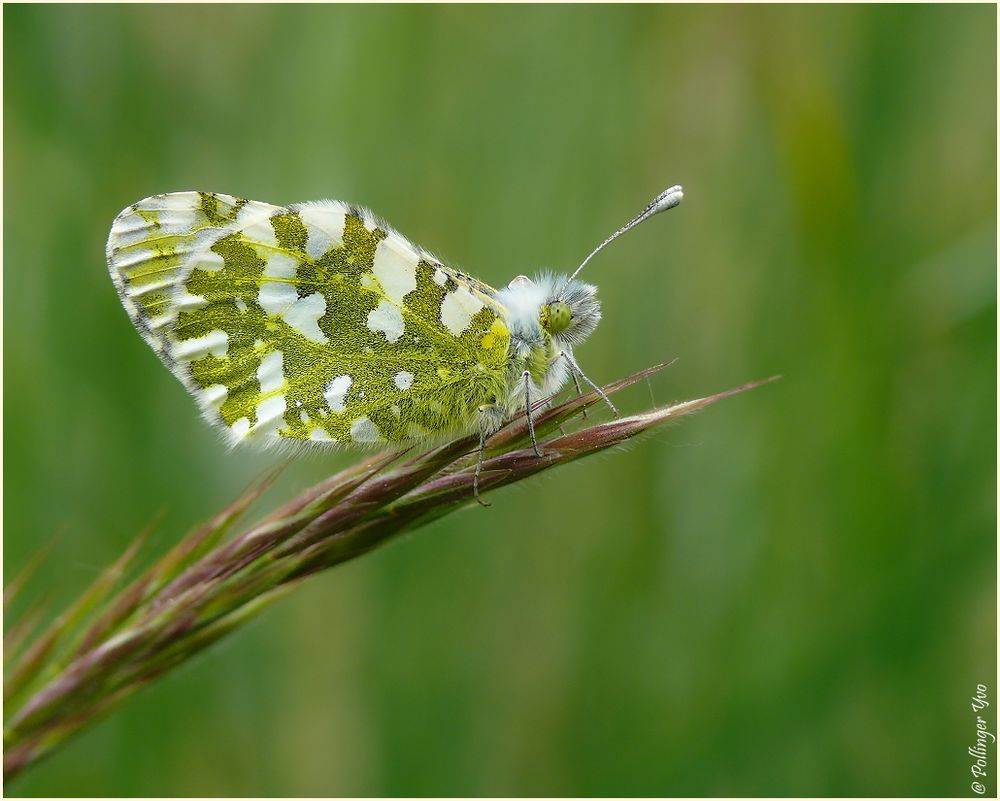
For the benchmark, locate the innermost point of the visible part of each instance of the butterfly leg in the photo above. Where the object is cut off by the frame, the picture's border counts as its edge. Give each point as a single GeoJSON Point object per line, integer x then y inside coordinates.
{"type": "Point", "coordinates": [527, 411]}
{"type": "Point", "coordinates": [490, 420]}
{"type": "Point", "coordinates": [575, 369]}
{"type": "Point", "coordinates": [479, 460]}
{"type": "Point", "coordinates": [579, 393]}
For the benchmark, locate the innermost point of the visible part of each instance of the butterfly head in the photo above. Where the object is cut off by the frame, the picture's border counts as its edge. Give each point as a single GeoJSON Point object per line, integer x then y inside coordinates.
{"type": "Point", "coordinates": [568, 311]}
{"type": "Point", "coordinates": [571, 314]}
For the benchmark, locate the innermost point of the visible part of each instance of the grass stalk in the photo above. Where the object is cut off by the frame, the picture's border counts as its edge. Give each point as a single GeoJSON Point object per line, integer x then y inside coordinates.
{"type": "Point", "coordinates": [116, 639]}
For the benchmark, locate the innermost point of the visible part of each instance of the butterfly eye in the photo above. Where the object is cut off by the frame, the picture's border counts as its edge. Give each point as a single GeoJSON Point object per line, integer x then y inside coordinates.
{"type": "Point", "coordinates": [555, 317]}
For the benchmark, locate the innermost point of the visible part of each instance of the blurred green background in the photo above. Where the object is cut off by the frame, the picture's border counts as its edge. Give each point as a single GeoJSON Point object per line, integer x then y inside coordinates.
{"type": "Point", "coordinates": [792, 593]}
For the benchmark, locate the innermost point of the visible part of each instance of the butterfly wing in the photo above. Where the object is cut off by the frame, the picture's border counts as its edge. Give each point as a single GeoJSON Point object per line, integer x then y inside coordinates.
{"type": "Point", "coordinates": [311, 322]}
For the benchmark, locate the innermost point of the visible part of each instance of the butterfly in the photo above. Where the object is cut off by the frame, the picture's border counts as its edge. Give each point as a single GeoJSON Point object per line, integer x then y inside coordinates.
{"type": "Point", "coordinates": [318, 323]}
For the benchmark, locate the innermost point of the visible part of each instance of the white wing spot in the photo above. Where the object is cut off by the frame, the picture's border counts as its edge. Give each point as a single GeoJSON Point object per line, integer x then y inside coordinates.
{"type": "Point", "coordinates": [270, 414]}
{"type": "Point", "coordinates": [168, 201]}
{"type": "Point", "coordinates": [129, 228]}
{"type": "Point", "coordinates": [303, 315]}
{"type": "Point", "coordinates": [324, 226]}
{"type": "Point", "coordinates": [189, 302]}
{"type": "Point", "coordinates": [255, 225]}
{"type": "Point", "coordinates": [275, 298]}
{"type": "Point", "coordinates": [241, 427]}
{"type": "Point", "coordinates": [179, 220]}
{"type": "Point", "coordinates": [241, 304]}
{"type": "Point", "coordinates": [395, 266]}
{"type": "Point", "coordinates": [156, 323]}
{"type": "Point", "coordinates": [206, 260]}
{"type": "Point", "coordinates": [403, 379]}
{"type": "Point", "coordinates": [320, 435]}
{"type": "Point", "coordinates": [457, 310]}
{"type": "Point", "coordinates": [270, 372]}
{"type": "Point", "coordinates": [387, 319]}
{"type": "Point", "coordinates": [215, 342]}
{"type": "Point", "coordinates": [440, 278]}
{"type": "Point", "coordinates": [125, 260]}
{"type": "Point", "coordinates": [281, 265]}
{"type": "Point", "coordinates": [214, 396]}
{"type": "Point", "coordinates": [336, 392]}
{"type": "Point", "coordinates": [363, 430]}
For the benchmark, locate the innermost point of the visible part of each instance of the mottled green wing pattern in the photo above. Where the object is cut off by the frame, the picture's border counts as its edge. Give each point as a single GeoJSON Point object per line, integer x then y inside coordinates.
{"type": "Point", "coordinates": [315, 322]}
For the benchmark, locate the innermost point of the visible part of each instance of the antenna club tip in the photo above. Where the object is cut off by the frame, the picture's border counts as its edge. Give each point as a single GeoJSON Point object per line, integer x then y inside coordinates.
{"type": "Point", "coordinates": [668, 198]}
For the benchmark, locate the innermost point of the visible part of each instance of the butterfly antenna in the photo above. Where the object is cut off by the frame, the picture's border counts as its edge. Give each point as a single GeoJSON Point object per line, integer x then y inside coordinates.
{"type": "Point", "coordinates": [667, 199]}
